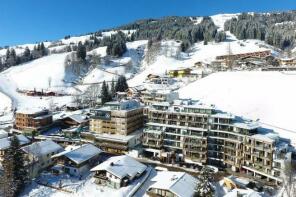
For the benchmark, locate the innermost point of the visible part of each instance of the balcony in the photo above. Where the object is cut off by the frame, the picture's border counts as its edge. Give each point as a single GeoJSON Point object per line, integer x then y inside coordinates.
{"type": "Point", "coordinates": [101, 176]}
{"type": "Point", "coordinates": [152, 144]}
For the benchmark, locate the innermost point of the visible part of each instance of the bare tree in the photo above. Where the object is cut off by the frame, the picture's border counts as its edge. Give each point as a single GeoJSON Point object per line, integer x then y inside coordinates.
{"type": "Point", "coordinates": [289, 179]}
{"type": "Point", "coordinates": [49, 82]}
{"type": "Point", "coordinates": [229, 59]}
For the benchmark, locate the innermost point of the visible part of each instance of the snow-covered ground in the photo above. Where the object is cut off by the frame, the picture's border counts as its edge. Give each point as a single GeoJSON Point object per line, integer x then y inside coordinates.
{"type": "Point", "coordinates": [126, 65]}
{"type": "Point", "coordinates": [81, 188]}
{"type": "Point", "coordinates": [5, 103]}
{"type": "Point", "coordinates": [40, 73]}
{"type": "Point", "coordinates": [198, 52]}
{"type": "Point", "coordinates": [267, 96]}
{"type": "Point", "coordinates": [220, 19]}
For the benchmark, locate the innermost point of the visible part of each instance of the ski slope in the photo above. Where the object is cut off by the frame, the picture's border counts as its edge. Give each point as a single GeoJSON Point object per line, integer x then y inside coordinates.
{"type": "Point", "coordinates": [5, 103]}
{"type": "Point", "coordinates": [267, 96]}
{"type": "Point", "coordinates": [41, 73]}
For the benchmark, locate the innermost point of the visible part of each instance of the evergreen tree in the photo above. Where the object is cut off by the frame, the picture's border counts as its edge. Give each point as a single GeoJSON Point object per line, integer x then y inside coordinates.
{"type": "Point", "coordinates": [149, 45]}
{"type": "Point", "coordinates": [184, 46]}
{"type": "Point", "coordinates": [204, 187]}
{"type": "Point", "coordinates": [116, 46]}
{"type": "Point", "coordinates": [8, 185]}
{"type": "Point", "coordinates": [27, 55]}
{"type": "Point", "coordinates": [7, 54]}
{"type": "Point", "coordinates": [105, 95]}
{"type": "Point", "coordinates": [121, 85]}
{"type": "Point", "coordinates": [14, 170]}
{"type": "Point", "coordinates": [20, 172]}
{"type": "Point", "coordinates": [113, 91]}
{"type": "Point", "coordinates": [132, 37]}
{"type": "Point", "coordinates": [81, 51]}
{"type": "Point", "coordinates": [43, 50]}
{"type": "Point", "coordinates": [11, 58]}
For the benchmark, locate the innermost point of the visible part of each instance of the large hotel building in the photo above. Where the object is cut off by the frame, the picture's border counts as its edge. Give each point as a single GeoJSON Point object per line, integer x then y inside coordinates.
{"type": "Point", "coordinates": [190, 131]}
{"type": "Point", "coordinates": [117, 126]}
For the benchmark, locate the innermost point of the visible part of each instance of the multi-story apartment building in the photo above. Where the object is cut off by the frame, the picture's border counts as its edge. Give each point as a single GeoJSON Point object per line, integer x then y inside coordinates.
{"type": "Point", "coordinates": [32, 120]}
{"type": "Point", "coordinates": [117, 117]}
{"type": "Point", "coordinates": [116, 125]}
{"type": "Point", "coordinates": [190, 131]}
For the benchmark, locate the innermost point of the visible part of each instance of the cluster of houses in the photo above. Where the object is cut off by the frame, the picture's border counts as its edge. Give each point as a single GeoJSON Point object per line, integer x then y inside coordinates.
{"type": "Point", "coordinates": [114, 172]}
{"type": "Point", "coordinates": [257, 60]}
{"type": "Point", "coordinates": [42, 92]}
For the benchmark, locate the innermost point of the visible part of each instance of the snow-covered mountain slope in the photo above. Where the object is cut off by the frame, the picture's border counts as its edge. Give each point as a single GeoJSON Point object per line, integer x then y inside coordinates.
{"type": "Point", "coordinates": [220, 19]}
{"type": "Point", "coordinates": [267, 96]}
{"type": "Point", "coordinates": [127, 65]}
{"type": "Point", "coordinates": [40, 73]}
{"type": "Point", "coordinates": [198, 52]}
{"type": "Point", "coordinates": [50, 72]}
{"type": "Point", "coordinates": [5, 103]}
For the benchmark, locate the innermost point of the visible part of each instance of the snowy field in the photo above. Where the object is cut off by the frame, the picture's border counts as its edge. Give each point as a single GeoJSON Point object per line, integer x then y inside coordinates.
{"type": "Point", "coordinates": [41, 73]}
{"type": "Point", "coordinates": [5, 103]}
{"type": "Point", "coordinates": [267, 96]}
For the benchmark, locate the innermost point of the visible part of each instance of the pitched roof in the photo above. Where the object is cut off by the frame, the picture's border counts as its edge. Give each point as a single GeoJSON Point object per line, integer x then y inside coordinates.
{"type": "Point", "coordinates": [42, 148]}
{"type": "Point", "coordinates": [78, 118]}
{"type": "Point", "coordinates": [179, 183]}
{"type": "Point", "coordinates": [121, 166]}
{"type": "Point", "coordinates": [5, 142]}
{"type": "Point", "coordinates": [81, 154]}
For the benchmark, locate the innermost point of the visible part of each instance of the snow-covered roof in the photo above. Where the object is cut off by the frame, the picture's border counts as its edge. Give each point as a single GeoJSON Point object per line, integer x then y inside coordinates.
{"type": "Point", "coordinates": [5, 142]}
{"type": "Point", "coordinates": [243, 192]}
{"type": "Point", "coordinates": [121, 105]}
{"type": "Point", "coordinates": [78, 118]}
{"type": "Point", "coordinates": [3, 133]}
{"type": "Point", "coordinates": [247, 125]}
{"type": "Point", "coordinates": [223, 115]}
{"type": "Point", "coordinates": [121, 166]}
{"type": "Point", "coordinates": [264, 138]}
{"type": "Point", "coordinates": [179, 183]}
{"type": "Point", "coordinates": [30, 110]}
{"type": "Point", "coordinates": [42, 148]}
{"type": "Point", "coordinates": [80, 154]}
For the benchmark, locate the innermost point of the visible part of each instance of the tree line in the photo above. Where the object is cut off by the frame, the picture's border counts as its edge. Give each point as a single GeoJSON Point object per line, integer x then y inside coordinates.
{"type": "Point", "coordinates": [12, 59]}
{"type": "Point", "coordinates": [107, 94]}
{"type": "Point", "coordinates": [277, 29]}
{"type": "Point", "coordinates": [177, 28]}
